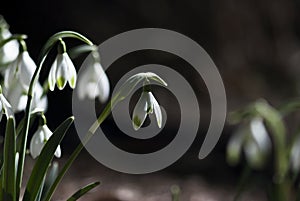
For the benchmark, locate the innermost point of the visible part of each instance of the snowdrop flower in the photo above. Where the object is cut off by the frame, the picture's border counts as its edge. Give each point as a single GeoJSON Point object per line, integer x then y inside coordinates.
{"type": "Point", "coordinates": [147, 104]}
{"type": "Point", "coordinates": [94, 83]}
{"type": "Point", "coordinates": [10, 50]}
{"type": "Point", "coordinates": [39, 139]}
{"type": "Point", "coordinates": [253, 138]}
{"type": "Point", "coordinates": [17, 96]}
{"type": "Point", "coordinates": [5, 107]}
{"type": "Point", "coordinates": [133, 81]}
{"type": "Point", "coordinates": [22, 69]}
{"type": "Point", "coordinates": [61, 72]}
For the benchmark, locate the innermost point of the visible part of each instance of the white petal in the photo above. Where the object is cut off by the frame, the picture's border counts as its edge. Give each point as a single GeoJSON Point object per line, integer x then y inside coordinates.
{"type": "Point", "coordinates": [103, 85]}
{"type": "Point", "coordinates": [157, 110]}
{"type": "Point", "coordinates": [26, 68]}
{"type": "Point", "coordinates": [140, 111]}
{"type": "Point", "coordinates": [10, 50]}
{"type": "Point", "coordinates": [94, 83]}
{"type": "Point", "coordinates": [11, 71]}
{"type": "Point", "coordinates": [52, 73]}
{"type": "Point", "coordinates": [16, 96]}
{"type": "Point", "coordinates": [72, 77]}
{"type": "Point", "coordinates": [37, 143]}
{"type": "Point", "coordinates": [47, 132]}
{"type": "Point", "coordinates": [5, 106]}
{"type": "Point", "coordinates": [235, 144]}
{"type": "Point", "coordinates": [86, 86]}
{"type": "Point", "coordinates": [253, 154]}
{"type": "Point", "coordinates": [58, 152]}
{"type": "Point", "coordinates": [62, 74]}
{"type": "Point", "coordinates": [260, 135]}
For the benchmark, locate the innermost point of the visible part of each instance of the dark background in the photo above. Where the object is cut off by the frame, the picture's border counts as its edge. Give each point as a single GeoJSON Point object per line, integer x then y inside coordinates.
{"type": "Point", "coordinates": [255, 45]}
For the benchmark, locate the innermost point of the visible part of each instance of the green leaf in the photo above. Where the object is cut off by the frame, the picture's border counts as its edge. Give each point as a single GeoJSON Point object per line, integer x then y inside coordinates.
{"type": "Point", "coordinates": [42, 164]}
{"type": "Point", "coordinates": [83, 191]}
{"type": "Point", "coordinates": [9, 166]}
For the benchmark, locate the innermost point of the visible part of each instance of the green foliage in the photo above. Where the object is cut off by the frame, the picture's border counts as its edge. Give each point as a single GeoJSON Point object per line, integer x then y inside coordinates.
{"type": "Point", "coordinates": [286, 153]}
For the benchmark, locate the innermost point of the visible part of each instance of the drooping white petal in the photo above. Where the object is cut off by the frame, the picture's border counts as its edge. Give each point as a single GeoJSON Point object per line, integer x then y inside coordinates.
{"type": "Point", "coordinates": [10, 50]}
{"type": "Point", "coordinates": [132, 82]}
{"type": "Point", "coordinates": [72, 74]}
{"type": "Point", "coordinates": [94, 83]}
{"type": "Point", "coordinates": [52, 73]}
{"type": "Point", "coordinates": [39, 139]}
{"type": "Point", "coordinates": [5, 107]}
{"type": "Point", "coordinates": [157, 110]}
{"type": "Point", "coordinates": [58, 152]}
{"type": "Point", "coordinates": [258, 144]}
{"type": "Point", "coordinates": [235, 144]}
{"type": "Point", "coordinates": [37, 143]}
{"type": "Point", "coordinates": [26, 69]}
{"type": "Point", "coordinates": [140, 111]}
{"type": "Point", "coordinates": [16, 96]}
{"type": "Point", "coordinates": [10, 74]}
{"type": "Point", "coordinates": [260, 135]}
{"type": "Point", "coordinates": [47, 134]}
{"type": "Point", "coordinates": [103, 86]}
{"type": "Point", "coordinates": [62, 73]}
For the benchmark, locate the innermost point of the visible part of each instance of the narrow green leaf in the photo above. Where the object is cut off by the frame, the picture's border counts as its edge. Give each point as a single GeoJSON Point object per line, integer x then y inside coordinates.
{"type": "Point", "coordinates": [9, 167]}
{"type": "Point", "coordinates": [42, 164]}
{"type": "Point", "coordinates": [83, 191]}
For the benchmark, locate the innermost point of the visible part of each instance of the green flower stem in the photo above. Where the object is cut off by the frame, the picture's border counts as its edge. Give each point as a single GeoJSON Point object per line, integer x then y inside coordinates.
{"type": "Point", "coordinates": [23, 46]}
{"type": "Point", "coordinates": [78, 149]}
{"type": "Point", "coordinates": [45, 50]}
{"type": "Point", "coordinates": [18, 37]}
{"type": "Point", "coordinates": [76, 51]}
{"type": "Point", "coordinates": [274, 122]}
{"type": "Point", "coordinates": [108, 108]}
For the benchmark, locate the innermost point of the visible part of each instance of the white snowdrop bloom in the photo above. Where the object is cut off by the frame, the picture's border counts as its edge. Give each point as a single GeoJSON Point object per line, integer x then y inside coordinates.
{"type": "Point", "coordinates": [133, 81]}
{"type": "Point", "coordinates": [10, 50]}
{"type": "Point", "coordinates": [39, 139]}
{"type": "Point", "coordinates": [254, 139]}
{"type": "Point", "coordinates": [147, 104]}
{"type": "Point", "coordinates": [61, 72]}
{"type": "Point", "coordinates": [94, 83]}
{"type": "Point", "coordinates": [17, 96]}
{"type": "Point", "coordinates": [21, 69]}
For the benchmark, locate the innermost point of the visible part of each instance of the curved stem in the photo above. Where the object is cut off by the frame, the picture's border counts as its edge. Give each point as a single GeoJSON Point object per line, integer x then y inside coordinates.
{"type": "Point", "coordinates": [13, 37]}
{"type": "Point", "coordinates": [74, 52]}
{"type": "Point", "coordinates": [45, 50]}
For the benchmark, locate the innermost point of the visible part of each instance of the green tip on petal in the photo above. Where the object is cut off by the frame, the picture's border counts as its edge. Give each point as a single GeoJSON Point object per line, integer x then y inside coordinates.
{"type": "Point", "coordinates": [73, 82]}
{"type": "Point", "coordinates": [61, 82]}
{"type": "Point", "coordinates": [136, 122]}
